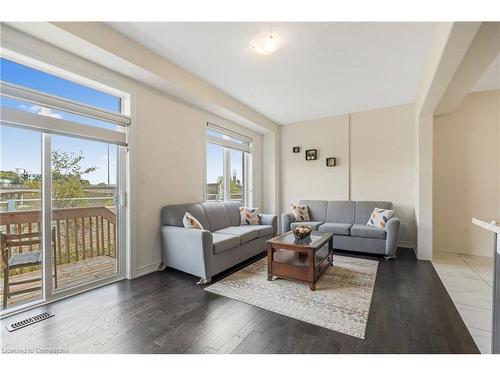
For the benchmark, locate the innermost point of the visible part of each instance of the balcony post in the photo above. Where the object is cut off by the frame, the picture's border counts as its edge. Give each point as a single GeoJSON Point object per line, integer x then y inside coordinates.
{"type": "Point", "coordinates": [11, 205]}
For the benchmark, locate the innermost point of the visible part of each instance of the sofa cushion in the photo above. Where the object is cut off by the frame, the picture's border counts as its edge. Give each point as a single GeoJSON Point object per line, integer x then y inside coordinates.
{"type": "Point", "coordinates": [264, 230]}
{"type": "Point", "coordinates": [224, 242]}
{"type": "Point", "coordinates": [364, 210]}
{"type": "Point", "coordinates": [340, 212]}
{"type": "Point", "coordinates": [379, 217]}
{"type": "Point", "coordinates": [301, 213]}
{"type": "Point", "coordinates": [361, 230]}
{"type": "Point", "coordinates": [317, 209]}
{"type": "Point", "coordinates": [314, 224]}
{"type": "Point", "coordinates": [190, 222]}
{"type": "Point", "coordinates": [249, 216]}
{"type": "Point", "coordinates": [233, 209]}
{"type": "Point", "coordinates": [173, 215]}
{"type": "Point", "coordinates": [336, 228]}
{"type": "Point", "coordinates": [217, 214]}
{"type": "Point", "coordinates": [245, 233]}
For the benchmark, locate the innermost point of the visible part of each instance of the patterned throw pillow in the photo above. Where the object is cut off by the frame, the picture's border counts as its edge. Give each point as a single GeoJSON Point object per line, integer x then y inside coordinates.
{"type": "Point", "coordinates": [249, 216]}
{"type": "Point", "coordinates": [301, 213]}
{"type": "Point", "coordinates": [190, 222]}
{"type": "Point", "coordinates": [379, 217]}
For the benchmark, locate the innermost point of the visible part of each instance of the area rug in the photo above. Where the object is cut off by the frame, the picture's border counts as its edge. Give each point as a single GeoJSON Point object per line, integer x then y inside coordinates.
{"type": "Point", "coordinates": [341, 301]}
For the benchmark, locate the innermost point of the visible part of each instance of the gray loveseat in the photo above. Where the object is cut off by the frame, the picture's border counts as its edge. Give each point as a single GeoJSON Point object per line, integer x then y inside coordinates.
{"type": "Point", "coordinates": [222, 244]}
{"type": "Point", "coordinates": [347, 221]}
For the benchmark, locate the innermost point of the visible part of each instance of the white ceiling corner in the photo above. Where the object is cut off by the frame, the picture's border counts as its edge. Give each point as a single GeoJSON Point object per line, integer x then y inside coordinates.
{"type": "Point", "coordinates": [490, 80]}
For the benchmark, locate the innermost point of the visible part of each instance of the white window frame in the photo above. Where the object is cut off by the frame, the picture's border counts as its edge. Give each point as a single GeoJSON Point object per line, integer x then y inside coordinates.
{"type": "Point", "coordinates": [227, 145]}
{"type": "Point", "coordinates": [31, 62]}
{"type": "Point", "coordinates": [53, 125]}
{"type": "Point", "coordinates": [245, 147]}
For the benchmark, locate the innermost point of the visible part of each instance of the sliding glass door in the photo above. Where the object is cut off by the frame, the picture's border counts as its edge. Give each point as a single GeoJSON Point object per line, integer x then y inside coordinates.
{"type": "Point", "coordinates": [20, 215]}
{"type": "Point", "coordinates": [62, 185]}
{"type": "Point", "coordinates": [84, 220]}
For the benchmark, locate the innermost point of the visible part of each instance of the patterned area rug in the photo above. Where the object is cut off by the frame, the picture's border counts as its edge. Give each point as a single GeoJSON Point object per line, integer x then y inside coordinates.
{"type": "Point", "coordinates": [340, 303]}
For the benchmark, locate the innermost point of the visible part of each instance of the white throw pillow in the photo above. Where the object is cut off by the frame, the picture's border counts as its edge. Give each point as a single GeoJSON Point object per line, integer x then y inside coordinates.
{"type": "Point", "coordinates": [249, 216]}
{"type": "Point", "coordinates": [301, 213]}
{"type": "Point", "coordinates": [190, 222]}
{"type": "Point", "coordinates": [379, 217]}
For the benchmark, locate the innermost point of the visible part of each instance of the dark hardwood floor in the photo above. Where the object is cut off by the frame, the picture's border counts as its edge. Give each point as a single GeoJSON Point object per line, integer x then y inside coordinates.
{"type": "Point", "coordinates": [165, 312]}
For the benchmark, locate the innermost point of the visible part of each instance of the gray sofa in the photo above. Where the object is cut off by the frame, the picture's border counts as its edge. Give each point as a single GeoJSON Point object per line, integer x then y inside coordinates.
{"type": "Point", "coordinates": [222, 244]}
{"type": "Point", "coordinates": [347, 221]}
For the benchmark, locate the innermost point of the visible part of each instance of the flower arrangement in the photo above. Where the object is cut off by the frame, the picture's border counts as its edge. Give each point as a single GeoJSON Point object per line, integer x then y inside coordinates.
{"type": "Point", "coordinates": [302, 231]}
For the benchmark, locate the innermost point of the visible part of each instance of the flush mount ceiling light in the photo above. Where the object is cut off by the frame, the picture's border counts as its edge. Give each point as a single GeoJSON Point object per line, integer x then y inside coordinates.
{"type": "Point", "coordinates": [265, 44]}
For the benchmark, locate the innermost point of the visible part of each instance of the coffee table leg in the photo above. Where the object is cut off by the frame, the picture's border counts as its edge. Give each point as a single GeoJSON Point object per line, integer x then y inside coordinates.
{"type": "Point", "coordinates": [312, 286]}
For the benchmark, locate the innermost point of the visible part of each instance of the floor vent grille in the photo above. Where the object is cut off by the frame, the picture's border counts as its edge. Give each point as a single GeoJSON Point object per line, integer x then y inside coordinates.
{"type": "Point", "coordinates": [29, 321]}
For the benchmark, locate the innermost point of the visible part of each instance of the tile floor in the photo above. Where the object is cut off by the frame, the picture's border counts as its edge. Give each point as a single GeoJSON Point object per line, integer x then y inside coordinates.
{"type": "Point", "coordinates": [469, 282]}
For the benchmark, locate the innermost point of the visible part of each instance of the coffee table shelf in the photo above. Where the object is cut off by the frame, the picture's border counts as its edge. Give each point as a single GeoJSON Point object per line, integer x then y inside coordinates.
{"type": "Point", "coordinates": [299, 261]}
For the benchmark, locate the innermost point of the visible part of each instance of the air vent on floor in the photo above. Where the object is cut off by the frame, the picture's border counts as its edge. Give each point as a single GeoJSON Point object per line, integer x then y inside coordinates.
{"type": "Point", "coordinates": [26, 322]}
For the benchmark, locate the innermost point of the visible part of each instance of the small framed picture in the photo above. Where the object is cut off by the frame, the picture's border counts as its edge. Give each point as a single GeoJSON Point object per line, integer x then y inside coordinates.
{"type": "Point", "coordinates": [311, 154]}
{"type": "Point", "coordinates": [331, 162]}
{"type": "Point", "coordinates": [296, 149]}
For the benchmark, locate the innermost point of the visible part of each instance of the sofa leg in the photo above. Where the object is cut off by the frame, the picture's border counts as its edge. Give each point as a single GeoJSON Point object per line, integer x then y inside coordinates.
{"type": "Point", "coordinates": [204, 281]}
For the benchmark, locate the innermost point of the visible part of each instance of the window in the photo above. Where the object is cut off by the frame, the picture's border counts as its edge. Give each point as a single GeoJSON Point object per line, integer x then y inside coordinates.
{"type": "Point", "coordinates": [31, 98]}
{"type": "Point", "coordinates": [22, 75]}
{"type": "Point", "coordinates": [237, 163]}
{"type": "Point", "coordinates": [227, 162]}
{"type": "Point", "coordinates": [215, 173]}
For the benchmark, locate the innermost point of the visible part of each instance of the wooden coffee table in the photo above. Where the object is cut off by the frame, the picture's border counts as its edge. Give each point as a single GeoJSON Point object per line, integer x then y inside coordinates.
{"type": "Point", "coordinates": [299, 261]}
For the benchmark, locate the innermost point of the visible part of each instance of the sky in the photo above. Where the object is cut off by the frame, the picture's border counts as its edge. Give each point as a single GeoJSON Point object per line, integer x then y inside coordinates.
{"type": "Point", "coordinates": [20, 148]}
{"type": "Point", "coordinates": [215, 163]}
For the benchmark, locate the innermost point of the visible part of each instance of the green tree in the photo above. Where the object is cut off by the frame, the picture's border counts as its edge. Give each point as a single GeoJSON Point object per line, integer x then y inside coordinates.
{"type": "Point", "coordinates": [220, 188]}
{"type": "Point", "coordinates": [67, 179]}
{"type": "Point", "coordinates": [10, 175]}
{"type": "Point", "coordinates": [234, 187]}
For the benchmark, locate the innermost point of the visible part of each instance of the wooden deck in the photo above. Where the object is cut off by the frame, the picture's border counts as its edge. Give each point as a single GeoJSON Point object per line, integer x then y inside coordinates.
{"type": "Point", "coordinates": [68, 275]}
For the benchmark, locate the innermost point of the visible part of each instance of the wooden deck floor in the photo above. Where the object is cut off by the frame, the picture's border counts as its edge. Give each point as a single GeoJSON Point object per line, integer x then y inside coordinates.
{"type": "Point", "coordinates": [68, 275]}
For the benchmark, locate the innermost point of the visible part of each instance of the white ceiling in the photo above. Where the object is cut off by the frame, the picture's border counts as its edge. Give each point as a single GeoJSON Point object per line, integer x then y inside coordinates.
{"type": "Point", "coordinates": [490, 80]}
{"type": "Point", "coordinates": [322, 69]}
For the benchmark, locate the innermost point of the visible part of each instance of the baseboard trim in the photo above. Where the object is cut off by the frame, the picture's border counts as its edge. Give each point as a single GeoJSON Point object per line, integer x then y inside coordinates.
{"type": "Point", "coordinates": [406, 244]}
{"type": "Point", "coordinates": [409, 245]}
{"type": "Point", "coordinates": [144, 270]}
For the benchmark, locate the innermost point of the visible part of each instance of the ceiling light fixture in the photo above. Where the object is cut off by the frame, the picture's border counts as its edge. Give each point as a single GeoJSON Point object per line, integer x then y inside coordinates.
{"type": "Point", "coordinates": [265, 44]}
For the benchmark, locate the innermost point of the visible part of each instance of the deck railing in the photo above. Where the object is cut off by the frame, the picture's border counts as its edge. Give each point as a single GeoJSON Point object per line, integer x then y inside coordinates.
{"type": "Point", "coordinates": [80, 233]}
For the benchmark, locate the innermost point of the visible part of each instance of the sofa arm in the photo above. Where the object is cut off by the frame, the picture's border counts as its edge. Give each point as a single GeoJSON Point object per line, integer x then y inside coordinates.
{"type": "Point", "coordinates": [188, 250]}
{"type": "Point", "coordinates": [269, 219]}
{"type": "Point", "coordinates": [392, 231]}
{"type": "Point", "coordinates": [286, 220]}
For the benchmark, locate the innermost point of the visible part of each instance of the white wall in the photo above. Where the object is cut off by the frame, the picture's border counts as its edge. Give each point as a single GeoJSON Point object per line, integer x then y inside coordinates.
{"type": "Point", "coordinates": [375, 161]}
{"type": "Point", "coordinates": [270, 173]}
{"type": "Point", "coordinates": [383, 161]}
{"type": "Point", "coordinates": [168, 152]}
{"type": "Point", "coordinates": [423, 208]}
{"type": "Point", "coordinates": [303, 179]}
{"type": "Point", "coordinates": [449, 44]}
{"type": "Point", "coordinates": [466, 169]}
{"type": "Point", "coordinates": [167, 147]}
